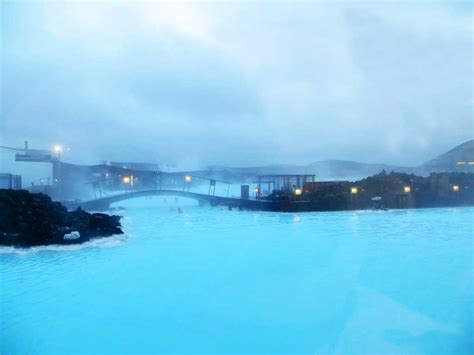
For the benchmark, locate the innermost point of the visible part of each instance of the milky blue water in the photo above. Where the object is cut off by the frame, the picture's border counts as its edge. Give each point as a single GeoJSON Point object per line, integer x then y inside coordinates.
{"type": "Point", "coordinates": [213, 280]}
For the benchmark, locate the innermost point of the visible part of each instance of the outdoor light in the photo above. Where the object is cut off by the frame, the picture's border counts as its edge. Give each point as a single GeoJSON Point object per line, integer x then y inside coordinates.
{"type": "Point", "coordinates": [354, 190]}
{"type": "Point", "coordinates": [127, 180]}
{"type": "Point", "coordinates": [455, 188]}
{"type": "Point", "coordinates": [187, 178]}
{"type": "Point", "coordinates": [407, 189]}
{"type": "Point", "coordinates": [58, 149]}
{"type": "Point", "coordinates": [256, 190]}
{"type": "Point", "coordinates": [298, 192]}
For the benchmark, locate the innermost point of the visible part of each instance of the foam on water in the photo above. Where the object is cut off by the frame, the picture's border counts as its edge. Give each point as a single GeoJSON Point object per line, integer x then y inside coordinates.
{"type": "Point", "coordinates": [105, 242]}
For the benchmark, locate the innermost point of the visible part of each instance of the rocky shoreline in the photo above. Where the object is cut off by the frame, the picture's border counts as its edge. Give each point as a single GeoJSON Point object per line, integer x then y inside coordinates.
{"type": "Point", "coordinates": [33, 219]}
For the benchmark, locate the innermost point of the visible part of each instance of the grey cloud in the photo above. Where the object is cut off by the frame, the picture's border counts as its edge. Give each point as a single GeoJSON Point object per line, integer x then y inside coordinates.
{"type": "Point", "coordinates": [238, 84]}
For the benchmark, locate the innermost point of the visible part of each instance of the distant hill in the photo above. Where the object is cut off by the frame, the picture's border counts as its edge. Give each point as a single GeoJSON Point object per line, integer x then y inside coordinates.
{"type": "Point", "coordinates": [457, 159]}
{"type": "Point", "coordinates": [326, 169]}
{"type": "Point", "coordinates": [350, 170]}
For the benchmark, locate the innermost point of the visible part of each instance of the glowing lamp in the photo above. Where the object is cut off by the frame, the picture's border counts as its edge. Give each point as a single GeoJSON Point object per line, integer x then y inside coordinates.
{"type": "Point", "coordinates": [187, 178]}
{"type": "Point", "coordinates": [58, 148]}
{"type": "Point", "coordinates": [455, 188]}
{"type": "Point", "coordinates": [354, 190]}
{"type": "Point", "coordinates": [256, 190]}
{"type": "Point", "coordinates": [407, 189]}
{"type": "Point", "coordinates": [298, 192]}
{"type": "Point", "coordinates": [127, 180]}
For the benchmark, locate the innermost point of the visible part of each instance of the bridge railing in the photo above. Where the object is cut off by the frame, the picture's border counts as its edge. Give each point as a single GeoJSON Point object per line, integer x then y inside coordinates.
{"type": "Point", "coordinates": [130, 184]}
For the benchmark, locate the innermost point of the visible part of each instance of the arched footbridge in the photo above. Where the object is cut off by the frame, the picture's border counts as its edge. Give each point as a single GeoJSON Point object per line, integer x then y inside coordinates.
{"type": "Point", "coordinates": [104, 203]}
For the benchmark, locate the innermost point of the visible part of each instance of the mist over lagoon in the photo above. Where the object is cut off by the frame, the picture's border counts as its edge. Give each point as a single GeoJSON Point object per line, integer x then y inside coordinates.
{"type": "Point", "coordinates": [235, 177]}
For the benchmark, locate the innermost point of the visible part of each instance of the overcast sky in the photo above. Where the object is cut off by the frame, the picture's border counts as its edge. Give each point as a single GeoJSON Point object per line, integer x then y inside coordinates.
{"type": "Point", "coordinates": [238, 83]}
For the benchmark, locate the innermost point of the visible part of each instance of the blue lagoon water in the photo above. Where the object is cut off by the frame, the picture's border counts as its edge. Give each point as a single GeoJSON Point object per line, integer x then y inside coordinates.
{"type": "Point", "coordinates": [214, 280]}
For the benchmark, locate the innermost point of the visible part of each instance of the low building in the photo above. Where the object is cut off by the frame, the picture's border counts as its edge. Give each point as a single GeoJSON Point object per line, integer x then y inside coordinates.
{"type": "Point", "coordinates": [319, 185]}
{"type": "Point", "coordinates": [133, 166]}
{"type": "Point", "coordinates": [10, 181]}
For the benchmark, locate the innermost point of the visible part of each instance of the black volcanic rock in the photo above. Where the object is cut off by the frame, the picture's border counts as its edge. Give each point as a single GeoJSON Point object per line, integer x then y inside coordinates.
{"type": "Point", "coordinates": [29, 219]}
